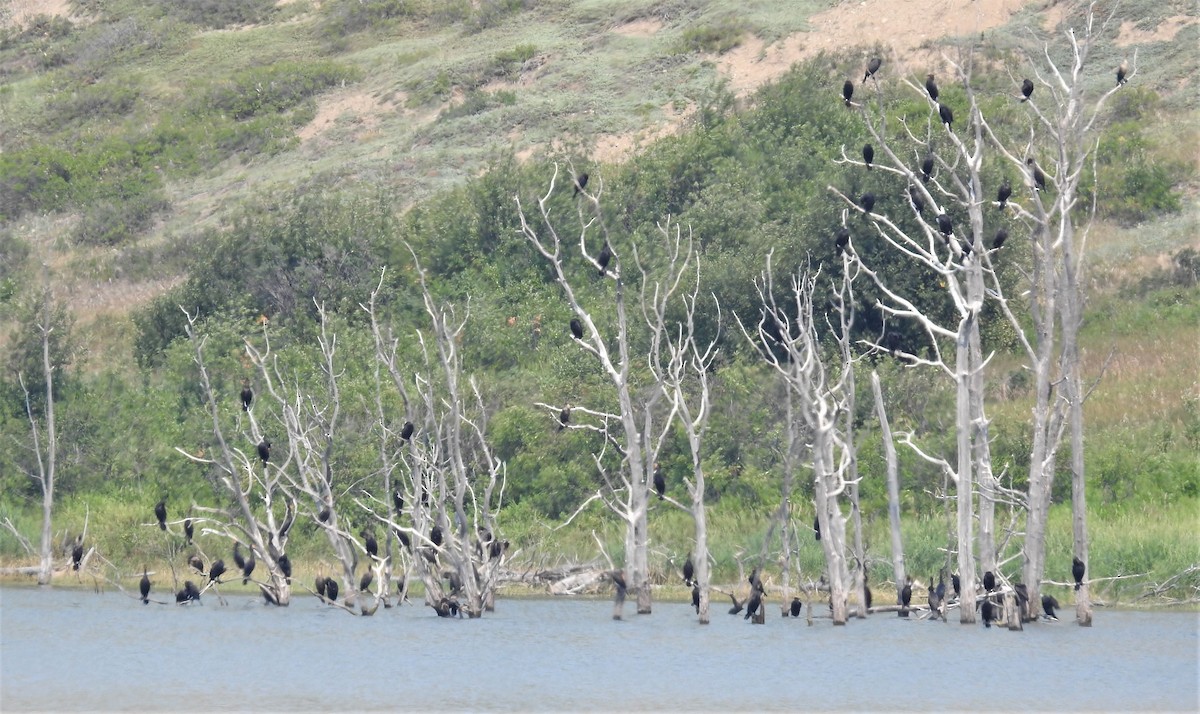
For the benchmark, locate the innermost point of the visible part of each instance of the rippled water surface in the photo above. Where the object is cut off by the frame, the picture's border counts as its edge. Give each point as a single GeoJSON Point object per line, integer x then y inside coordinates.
{"type": "Point", "coordinates": [70, 649]}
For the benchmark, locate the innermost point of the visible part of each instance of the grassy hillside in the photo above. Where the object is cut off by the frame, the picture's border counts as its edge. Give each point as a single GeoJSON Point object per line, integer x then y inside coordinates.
{"type": "Point", "coordinates": [249, 155]}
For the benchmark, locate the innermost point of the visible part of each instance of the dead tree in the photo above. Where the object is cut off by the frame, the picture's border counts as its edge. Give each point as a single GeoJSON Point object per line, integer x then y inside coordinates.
{"type": "Point", "coordinates": [822, 400]}
{"type": "Point", "coordinates": [257, 509]}
{"type": "Point", "coordinates": [636, 430]}
{"type": "Point", "coordinates": [455, 481]}
{"type": "Point", "coordinates": [893, 481]}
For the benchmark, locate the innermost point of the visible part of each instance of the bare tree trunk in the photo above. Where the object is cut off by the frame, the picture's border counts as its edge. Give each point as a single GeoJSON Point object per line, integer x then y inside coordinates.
{"type": "Point", "coordinates": [964, 489]}
{"type": "Point", "coordinates": [46, 566]}
{"type": "Point", "coordinates": [893, 481]}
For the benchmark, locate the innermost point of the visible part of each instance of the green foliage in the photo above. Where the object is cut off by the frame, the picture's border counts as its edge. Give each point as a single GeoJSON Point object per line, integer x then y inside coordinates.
{"type": "Point", "coordinates": [219, 13]}
{"type": "Point", "coordinates": [717, 38]}
{"type": "Point", "coordinates": [40, 316]}
{"type": "Point", "coordinates": [274, 88]}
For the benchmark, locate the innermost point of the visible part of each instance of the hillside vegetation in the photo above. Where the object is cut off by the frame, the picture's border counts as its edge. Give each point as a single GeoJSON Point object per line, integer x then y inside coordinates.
{"type": "Point", "coordinates": [245, 159]}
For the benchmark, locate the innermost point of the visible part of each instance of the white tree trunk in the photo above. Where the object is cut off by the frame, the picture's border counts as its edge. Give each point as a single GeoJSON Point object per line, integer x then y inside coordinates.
{"type": "Point", "coordinates": [893, 481]}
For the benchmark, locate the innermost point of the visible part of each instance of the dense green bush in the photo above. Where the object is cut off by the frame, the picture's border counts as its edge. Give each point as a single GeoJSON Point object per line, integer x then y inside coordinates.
{"type": "Point", "coordinates": [273, 88]}
{"type": "Point", "coordinates": [219, 13]}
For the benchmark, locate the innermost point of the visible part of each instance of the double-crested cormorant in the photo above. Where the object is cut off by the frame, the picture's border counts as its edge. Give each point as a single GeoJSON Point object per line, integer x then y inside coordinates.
{"type": "Point", "coordinates": [1122, 70]}
{"type": "Point", "coordinates": [604, 257]}
{"type": "Point", "coordinates": [689, 570]}
{"type": "Point", "coordinates": [796, 607]}
{"type": "Point", "coordinates": [398, 501]}
{"type": "Point", "coordinates": [1022, 593]}
{"type": "Point", "coordinates": [188, 592]}
{"type": "Point", "coordinates": [1039, 178]}
{"type": "Point", "coordinates": [406, 431]}
{"type": "Point", "coordinates": [872, 67]}
{"type": "Point", "coordinates": [660, 481]}
{"type": "Point", "coordinates": [371, 545]}
{"type": "Point", "coordinates": [737, 604]}
{"type": "Point", "coordinates": [264, 450]}
{"type": "Point", "coordinates": [403, 538]}
{"type": "Point", "coordinates": [1049, 604]}
{"type": "Point", "coordinates": [696, 597]}
{"type": "Point", "coordinates": [188, 529]}
{"type": "Point", "coordinates": [331, 589]}
{"type": "Point", "coordinates": [576, 328]}
{"type": "Point", "coordinates": [868, 155]}
{"type": "Point", "coordinates": [247, 395]}
{"type": "Point", "coordinates": [285, 567]}
{"type": "Point", "coordinates": [931, 87]}
{"type": "Point", "coordinates": [905, 597]}
{"type": "Point", "coordinates": [847, 92]}
{"type": "Point", "coordinates": [866, 593]}
{"type": "Point", "coordinates": [160, 512]}
{"type": "Point", "coordinates": [918, 203]}
{"type": "Point", "coordinates": [935, 597]}
{"type": "Point", "coordinates": [238, 560]}
{"type": "Point", "coordinates": [867, 202]}
{"type": "Point", "coordinates": [946, 115]}
{"type": "Point", "coordinates": [1077, 571]}
{"type": "Point", "coordinates": [998, 241]}
{"type": "Point", "coordinates": [580, 183]}
{"type": "Point", "coordinates": [754, 603]}
{"type": "Point", "coordinates": [954, 583]}
{"type": "Point", "coordinates": [324, 514]}
{"type": "Point", "coordinates": [197, 564]}
{"type": "Point", "coordinates": [988, 611]}
{"type": "Point", "coordinates": [564, 417]}
{"type": "Point", "coordinates": [945, 225]}
{"type": "Point", "coordinates": [1003, 193]}
{"type": "Point", "coordinates": [248, 568]}
{"type": "Point", "coordinates": [927, 168]}
{"type": "Point", "coordinates": [1026, 89]}
{"type": "Point", "coordinates": [216, 570]}
{"type": "Point", "coordinates": [989, 581]}
{"type": "Point", "coordinates": [435, 535]}
{"type": "Point", "coordinates": [77, 553]}
{"type": "Point", "coordinates": [365, 581]}
{"type": "Point", "coordinates": [321, 584]}
{"type": "Point", "coordinates": [619, 586]}
{"type": "Point", "coordinates": [842, 239]}
{"type": "Point", "coordinates": [816, 528]}
{"type": "Point", "coordinates": [144, 586]}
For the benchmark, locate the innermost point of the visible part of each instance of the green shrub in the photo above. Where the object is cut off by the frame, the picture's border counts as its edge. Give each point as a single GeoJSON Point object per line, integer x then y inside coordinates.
{"type": "Point", "coordinates": [273, 88]}
{"type": "Point", "coordinates": [219, 13]}
{"type": "Point", "coordinates": [717, 38]}
{"type": "Point", "coordinates": [111, 222]}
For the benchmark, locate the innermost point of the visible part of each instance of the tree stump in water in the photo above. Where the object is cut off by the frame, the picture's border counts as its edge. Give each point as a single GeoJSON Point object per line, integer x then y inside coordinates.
{"type": "Point", "coordinates": [1012, 615]}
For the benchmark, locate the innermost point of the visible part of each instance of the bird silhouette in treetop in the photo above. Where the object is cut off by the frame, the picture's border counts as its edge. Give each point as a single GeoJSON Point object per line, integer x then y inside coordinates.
{"type": "Point", "coordinates": [580, 183]}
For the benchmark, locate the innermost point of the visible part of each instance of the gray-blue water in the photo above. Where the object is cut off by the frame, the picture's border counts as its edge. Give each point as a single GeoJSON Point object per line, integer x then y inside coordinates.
{"type": "Point", "coordinates": [71, 650]}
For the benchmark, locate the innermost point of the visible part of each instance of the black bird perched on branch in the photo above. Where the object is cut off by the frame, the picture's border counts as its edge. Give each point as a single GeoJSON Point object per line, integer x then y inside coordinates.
{"type": "Point", "coordinates": [689, 570]}
{"type": "Point", "coordinates": [918, 203]}
{"type": "Point", "coordinates": [604, 257]}
{"type": "Point", "coordinates": [188, 530]}
{"type": "Point", "coordinates": [1077, 571]}
{"type": "Point", "coordinates": [247, 395]}
{"type": "Point", "coordinates": [1001, 236]}
{"type": "Point", "coordinates": [945, 225]}
{"type": "Point", "coordinates": [847, 92]}
{"type": "Point", "coordinates": [188, 592]}
{"type": "Point", "coordinates": [435, 535]}
{"type": "Point", "coordinates": [403, 538]}
{"type": "Point", "coordinates": [935, 597]}
{"type": "Point", "coordinates": [365, 581]}
{"type": "Point", "coordinates": [248, 568]}
{"type": "Point", "coordinates": [216, 570]}
{"type": "Point", "coordinates": [331, 589]}
{"type": "Point", "coordinates": [927, 168]}
{"type": "Point", "coordinates": [144, 586]}
{"type": "Point", "coordinates": [872, 67]}
{"type": "Point", "coordinates": [324, 514]}
{"type": "Point", "coordinates": [1039, 178]}
{"type": "Point", "coordinates": [406, 431]}
{"type": "Point", "coordinates": [816, 528]}
{"type": "Point", "coordinates": [905, 597]}
{"type": "Point", "coordinates": [946, 115]}
{"type": "Point", "coordinates": [398, 500]}
{"type": "Point", "coordinates": [371, 545]}
{"type": "Point", "coordinates": [954, 583]}
{"type": "Point", "coordinates": [988, 611]}
{"type": "Point", "coordinates": [576, 328]}
{"type": "Point", "coordinates": [321, 583]}
{"type": "Point", "coordinates": [264, 450]}
{"type": "Point", "coordinates": [867, 202]}
{"type": "Point", "coordinates": [1049, 604]}
{"type": "Point", "coordinates": [660, 481]}
{"type": "Point", "coordinates": [160, 512]}
{"type": "Point", "coordinates": [564, 417]}
{"type": "Point", "coordinates": [1022, 593]}
{"type": "Point", "coordinates": [1122, 70]}
{"type": "Point", "coordinates": [285, 567]}
{"type": "Point", "coordinates": [796, 607]}
{"type": "Point", "coordinates": [754, 604]}
{"type": "Point", "coordinates": [1026, 89]}
{"type": "Point", "coordinates": [931, 87]}
{"type": "Point", "coordinates": [580, 183]}
{"type": "Point", "coordinates": [696, 597]}
{"type": "Point", "coordinates": [868, 155]}
{"type": "Point", "coordinates": [197, 564]}
{"type": "Point", "coordinates": [843, 239]}
{"type": "Point", "coordinates": [77, 553]}
{"type": "Point", "coordinates": [238, 560]}
{"type": "Point", "coordinates": [989, 581]}
{"type": "Point", "coordinates": [1003, 193]}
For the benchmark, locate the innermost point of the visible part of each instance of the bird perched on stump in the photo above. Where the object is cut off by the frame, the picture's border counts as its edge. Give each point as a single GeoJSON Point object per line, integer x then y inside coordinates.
{"type": "Point", "coordinates": [872, 67]}
{"type": "Point", "coordinates": [988, 611]}
{"type": "Point", "coordinates": [868, 153]}
{"type": "Point", "coordinates": [580, 183]}
{"type": "Point", "coordinates": [796, 607]}
{"type": "Point", "coordinates": [1026, 89]}
{"type": "Point", "coordinates": [365, 582]}
{"type": "Point", "coordinates": [847, 92]}
{"type": "Point", "coordinates": [1049, 604]}
{"type": "Point", "coordinates": [989, 581]}
{"type": "Point", "coordinates": [935, 599]}
{"type": "Point", "coordinates": [1077, 571]}
{"type": "Point", "coordinates": [696, 597]}
{"type": "Point", "coordinates": [905, 597]}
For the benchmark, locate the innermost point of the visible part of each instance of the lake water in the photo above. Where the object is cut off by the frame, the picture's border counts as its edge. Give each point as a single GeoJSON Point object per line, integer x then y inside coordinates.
{"type": "Point", "coordinates": [73, 650]}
